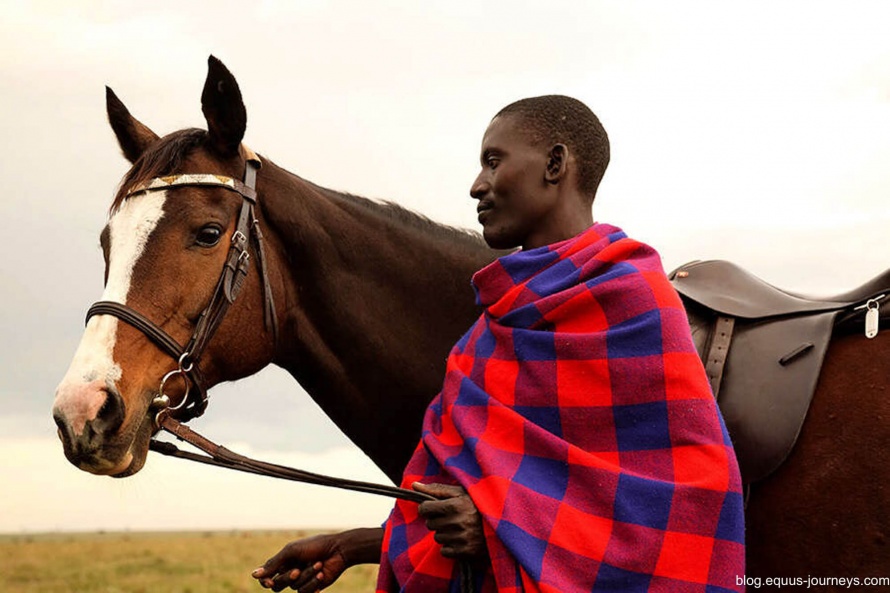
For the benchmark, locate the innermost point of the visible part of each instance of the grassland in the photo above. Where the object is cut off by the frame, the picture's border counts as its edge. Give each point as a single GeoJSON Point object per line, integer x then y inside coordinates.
{"type": "Point", "coordinates": [207, 562]}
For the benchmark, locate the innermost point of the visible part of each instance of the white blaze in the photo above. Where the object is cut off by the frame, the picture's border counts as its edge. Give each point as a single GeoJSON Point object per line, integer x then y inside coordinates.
{"type": "Point", "coordinates": [80, 395]}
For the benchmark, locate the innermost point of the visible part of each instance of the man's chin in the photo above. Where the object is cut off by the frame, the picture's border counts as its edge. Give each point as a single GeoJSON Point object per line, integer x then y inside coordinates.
{"type": "Point", "coordinates": [499, 242]}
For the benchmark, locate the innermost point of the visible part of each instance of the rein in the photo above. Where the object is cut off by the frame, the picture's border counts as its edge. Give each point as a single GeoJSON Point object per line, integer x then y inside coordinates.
{"type": "Point", "coordinates": [219, 456]}
{"type": "Point", "coordinates": [222, 457]}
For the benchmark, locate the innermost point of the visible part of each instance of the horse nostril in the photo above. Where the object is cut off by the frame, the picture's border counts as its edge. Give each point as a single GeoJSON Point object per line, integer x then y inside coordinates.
{"type": "Point", "coordinates": [60, 422]}
{"type": "Point", "coordinates": [62, 427]}
{"type": "Point", "coordinates": [111, 415]}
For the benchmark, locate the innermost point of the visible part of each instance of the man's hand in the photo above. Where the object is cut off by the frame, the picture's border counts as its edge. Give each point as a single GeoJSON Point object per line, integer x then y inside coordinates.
{"type": "Point", "coordinates": [455, 520]}
{"type": "Point", "coordinates": [313, 563]}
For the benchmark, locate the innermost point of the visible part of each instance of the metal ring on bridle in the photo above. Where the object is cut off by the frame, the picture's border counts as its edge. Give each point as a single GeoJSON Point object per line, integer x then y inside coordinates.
{"type": "Point", "coordinates": [165, 399]}
{"type": "Point", "coordinates": [182, 359]}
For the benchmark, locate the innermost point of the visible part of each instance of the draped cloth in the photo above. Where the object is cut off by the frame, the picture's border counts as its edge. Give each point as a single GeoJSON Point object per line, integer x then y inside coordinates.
{"type": "Point", "coordinates": [578, 416]}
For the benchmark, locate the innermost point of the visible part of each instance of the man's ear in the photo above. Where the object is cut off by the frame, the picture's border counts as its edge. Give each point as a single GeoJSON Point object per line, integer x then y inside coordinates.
{"type": "Point", "coordinates": [557, 160]}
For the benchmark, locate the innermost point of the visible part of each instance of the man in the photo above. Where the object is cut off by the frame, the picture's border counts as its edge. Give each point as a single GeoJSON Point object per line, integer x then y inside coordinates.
{"type": "Point", "coordinates": [575, 445]}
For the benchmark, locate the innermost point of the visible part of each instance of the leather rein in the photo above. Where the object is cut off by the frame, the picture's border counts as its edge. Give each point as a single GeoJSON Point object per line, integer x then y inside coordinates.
{"type": "Point", "coordinates": [169, 417]}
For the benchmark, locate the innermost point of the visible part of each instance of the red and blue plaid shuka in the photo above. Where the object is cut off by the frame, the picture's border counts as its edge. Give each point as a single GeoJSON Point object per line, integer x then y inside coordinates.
{"type": "Point", "coordinates": [578, 416]}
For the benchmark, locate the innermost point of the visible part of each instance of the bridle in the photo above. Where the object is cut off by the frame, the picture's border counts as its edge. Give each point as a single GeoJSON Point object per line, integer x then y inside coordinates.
{"type": "Point", "coordinates": [169, 417]}
{"type": "Point", "coordinates": [231, 280]}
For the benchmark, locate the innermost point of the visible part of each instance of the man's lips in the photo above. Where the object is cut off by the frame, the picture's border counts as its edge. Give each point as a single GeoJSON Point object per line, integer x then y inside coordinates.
{"type": "Point", "coordinates": [483, 209]}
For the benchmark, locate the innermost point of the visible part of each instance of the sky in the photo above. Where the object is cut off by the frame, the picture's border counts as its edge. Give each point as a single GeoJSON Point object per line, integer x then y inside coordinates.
{"type": "Point", "coordinates": [757, 132]}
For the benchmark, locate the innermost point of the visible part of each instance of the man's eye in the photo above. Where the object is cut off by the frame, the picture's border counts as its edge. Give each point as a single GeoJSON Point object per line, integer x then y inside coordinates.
{"type": "Point", "coordinates": [209, 235]}
{"type": "Point", "coordinates": [492, 163]}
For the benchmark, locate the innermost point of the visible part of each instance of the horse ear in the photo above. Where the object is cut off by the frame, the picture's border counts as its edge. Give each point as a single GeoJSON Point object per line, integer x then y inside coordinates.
{"type": "Point", "coordinates": [132, 135]}
{"type": "Point", "coordinates": [223, 109]}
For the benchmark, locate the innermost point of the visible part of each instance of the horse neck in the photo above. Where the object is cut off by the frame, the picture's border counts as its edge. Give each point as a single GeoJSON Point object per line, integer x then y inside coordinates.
{"type": "Point", "coordinates": [374, 299]}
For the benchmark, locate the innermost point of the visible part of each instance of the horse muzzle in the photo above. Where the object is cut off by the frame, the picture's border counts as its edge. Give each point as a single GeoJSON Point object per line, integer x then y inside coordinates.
{"type": "Point", "coordinates": [89, 417]}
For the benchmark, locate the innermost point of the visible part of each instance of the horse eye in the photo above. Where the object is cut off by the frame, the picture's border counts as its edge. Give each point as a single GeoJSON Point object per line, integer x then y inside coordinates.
{"type": "Point", "coordinates": [208, 236]}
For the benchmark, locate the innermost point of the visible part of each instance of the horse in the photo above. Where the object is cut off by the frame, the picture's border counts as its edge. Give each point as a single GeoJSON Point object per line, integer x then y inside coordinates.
{"type": "Point", "coordinates": [361, 302]}
{"type": "Point", "coordinates": [365, 319]}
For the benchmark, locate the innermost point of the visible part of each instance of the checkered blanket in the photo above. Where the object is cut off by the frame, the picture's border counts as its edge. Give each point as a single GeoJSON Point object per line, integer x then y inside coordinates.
{"type": "Point", "coordinates": [578, 416]}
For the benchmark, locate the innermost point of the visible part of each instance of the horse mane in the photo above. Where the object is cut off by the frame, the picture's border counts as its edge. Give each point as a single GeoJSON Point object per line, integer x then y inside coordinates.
{"type": "Point", "coordinates": [407, 217]}
{"type": "Point", "coordinates": [445, 231]}
{"type": "Point", "coordinates": [162, 158]}
{"type": "Point", "coordinates": [166, 156]}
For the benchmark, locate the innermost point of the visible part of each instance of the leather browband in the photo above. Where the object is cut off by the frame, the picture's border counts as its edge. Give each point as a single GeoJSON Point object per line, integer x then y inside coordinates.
{"type": "Point", "coordinates": [194, 180]}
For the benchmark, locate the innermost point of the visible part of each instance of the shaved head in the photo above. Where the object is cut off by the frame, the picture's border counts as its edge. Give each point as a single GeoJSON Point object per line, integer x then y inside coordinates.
{"type": "Point", "coordinates": [557, 119]}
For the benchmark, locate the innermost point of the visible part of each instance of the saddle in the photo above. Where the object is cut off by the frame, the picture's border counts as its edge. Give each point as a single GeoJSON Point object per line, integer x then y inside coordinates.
{"type": "Point", "coordinates": [763, 349]}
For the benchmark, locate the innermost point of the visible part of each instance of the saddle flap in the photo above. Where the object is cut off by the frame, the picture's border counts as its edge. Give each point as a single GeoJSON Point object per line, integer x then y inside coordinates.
{"type": "Point", "coordinates": [769, 379]}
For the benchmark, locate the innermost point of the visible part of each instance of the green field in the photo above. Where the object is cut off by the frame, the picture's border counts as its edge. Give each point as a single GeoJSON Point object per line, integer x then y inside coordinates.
{"type": "Point", "coordinates": [204, 562]}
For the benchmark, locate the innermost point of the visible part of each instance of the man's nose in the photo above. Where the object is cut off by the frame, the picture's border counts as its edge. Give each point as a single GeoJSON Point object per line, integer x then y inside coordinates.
{"type": "Point", "coordinates": [480, 187]}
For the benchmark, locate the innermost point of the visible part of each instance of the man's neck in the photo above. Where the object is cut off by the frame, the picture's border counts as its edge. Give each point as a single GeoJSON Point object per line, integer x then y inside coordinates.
{"type": "Point", "coordinates": [564, 224]}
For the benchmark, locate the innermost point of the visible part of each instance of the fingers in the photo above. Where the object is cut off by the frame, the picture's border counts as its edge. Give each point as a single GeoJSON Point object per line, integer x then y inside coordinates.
{"type": "Point", "coordinates": [436, 508]}
{"type": "Point", "coordinates": [285, 569]}
{"type": "Point", "coordinates": [440, 523]}
{"type": "Point", "coordinates": [440, 491]}
{"type": "Point", "coordinates": [282, 581]}
{"type": "Point", "coordinates": [306, 580]}
{"type": "Point", "coordinates": [288, 557]}
{"type": "Point", "coordinates": [269, 569]}
{"type": "Point", "coordinates": [455, 546]}
{"type": "Point", "coordinates": [454, 519]}
{"type": "Point", "coordinates": [461, 544]}
{"type": "Point", "coordinates": [451, 542]}
{"type": "Point", "coordinates": [311, 584]}
{"type": "Point", "coordinates": [455, 507]}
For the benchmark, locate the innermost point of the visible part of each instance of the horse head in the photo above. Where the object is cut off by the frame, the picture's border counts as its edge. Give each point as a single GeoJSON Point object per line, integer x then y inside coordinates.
{"type": "Point", "coordinates": [164, 249]}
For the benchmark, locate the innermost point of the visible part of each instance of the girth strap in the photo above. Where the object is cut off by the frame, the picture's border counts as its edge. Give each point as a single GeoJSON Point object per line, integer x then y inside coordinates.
{"type": "Point", "coordinates": [715, 361]}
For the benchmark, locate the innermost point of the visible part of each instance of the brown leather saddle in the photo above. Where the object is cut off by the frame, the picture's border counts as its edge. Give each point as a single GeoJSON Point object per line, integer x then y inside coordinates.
{"type": "Point", "coordinates": [763, 349]}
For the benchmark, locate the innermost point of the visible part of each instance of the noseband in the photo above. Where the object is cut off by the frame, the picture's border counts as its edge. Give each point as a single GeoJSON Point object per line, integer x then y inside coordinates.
{"type": "Point", "coordinates": [231, 280]}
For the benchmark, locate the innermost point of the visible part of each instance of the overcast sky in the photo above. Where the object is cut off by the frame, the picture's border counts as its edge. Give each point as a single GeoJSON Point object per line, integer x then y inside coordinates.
{"type": "Point", "coordinates": [757, 132]}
